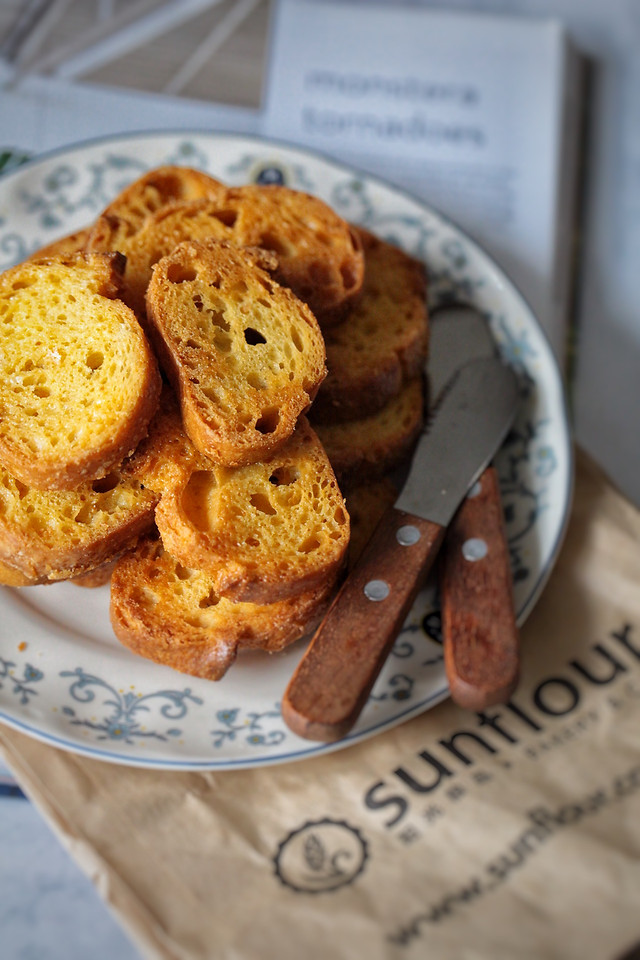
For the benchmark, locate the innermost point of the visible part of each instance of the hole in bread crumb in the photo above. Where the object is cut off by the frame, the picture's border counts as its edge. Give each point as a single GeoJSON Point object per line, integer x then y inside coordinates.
{"type": "Point", "coordinates": [193, 344]}
{"type": "Point", "coordinates": [283, 476]}
{"type": "Point", "coordinates": [196, 497]}
{"type": "Point", "coordinates": [252, 542]}
{"type": "Point", "coordinates": [42, 392]}
{"type": "Point", "coordinates": [268, 422]}
{"type": "Point", "coordinates": [262, 503]}
{"type": "Point", "coordinates": [226, 217]}
{"type": "Point", "coordinates": [356, 242]}
{"type": "Point", "coordinates": [218, 320]}
{"type": "Point", "coordinates": [255, 380]}
{"type": "Point", "coordinates": [320, 273]}
{"type": "Point", "coordinates": [222, 342]}
{"type": "Point", "coordinates": [84, 514]}
{"type": "Point", "coordinates": [210, 600]}
{"type": "Point", "coordinates": [265, 283]}
{"type": "Point", "coordinates": [295, 339]}
{"type": "Point", "coordinates": [253, 337]}
{"type": "Point", "coordinates": [181, 572]}
{"type": "Point", "coordinates": [349, 275]}
{"type": "Point", "coordinates": [197, 302]}
{"type": "Point", "coordinates": [271, 241]}
{"type": "Point", "coordinates": [94, 360]}
{"type": "Point", "coordinates": [21, 488]}
{"type": "Point", "coordinates": [180, 273]}
{"type": "Point", "coordinates": [104, 484]}
{"type": "Point", "coordinates": [309, 545]}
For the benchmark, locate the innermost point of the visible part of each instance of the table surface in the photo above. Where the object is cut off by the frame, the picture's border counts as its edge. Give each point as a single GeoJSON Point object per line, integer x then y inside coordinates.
{"type": "Point", "coordinates": [49, 910]}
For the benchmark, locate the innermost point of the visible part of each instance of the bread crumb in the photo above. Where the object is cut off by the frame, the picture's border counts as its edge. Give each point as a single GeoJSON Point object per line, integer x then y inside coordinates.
{"type": "Point", "coordinates": [22, 646]}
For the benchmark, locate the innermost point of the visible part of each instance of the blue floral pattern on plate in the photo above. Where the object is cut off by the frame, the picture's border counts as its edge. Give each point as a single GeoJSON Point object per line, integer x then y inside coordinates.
{"type": "Point", "coordinates": [122, 708]}
{"type": "Point", "coordinates": [20, 683]}
{"type": "Point", "coordinates": [121, 711]}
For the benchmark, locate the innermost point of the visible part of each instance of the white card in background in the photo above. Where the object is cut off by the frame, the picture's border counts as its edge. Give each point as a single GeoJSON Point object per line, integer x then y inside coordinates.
{"type": "Point", "coordinates": [472, 113]}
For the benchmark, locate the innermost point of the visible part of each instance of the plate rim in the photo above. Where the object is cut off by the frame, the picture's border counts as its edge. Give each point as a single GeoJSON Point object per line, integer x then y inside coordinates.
{"type": "Point", "coordinates": [562, 413]}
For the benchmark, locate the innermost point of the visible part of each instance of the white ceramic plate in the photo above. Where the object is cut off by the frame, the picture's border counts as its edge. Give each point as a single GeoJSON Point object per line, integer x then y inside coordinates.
{"type": "Point", "coordinates": [63, 676]}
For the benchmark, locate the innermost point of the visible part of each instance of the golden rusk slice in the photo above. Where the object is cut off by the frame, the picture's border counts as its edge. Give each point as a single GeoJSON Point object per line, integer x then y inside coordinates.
{"type": "Point", "coordinates": [78, 380]}
{"type": "Point", "coordinates": [245, 356]}
{"type": "Point", "coordinates": [172, 614]}
{"type": "Point", "coordinates": [264, 532]}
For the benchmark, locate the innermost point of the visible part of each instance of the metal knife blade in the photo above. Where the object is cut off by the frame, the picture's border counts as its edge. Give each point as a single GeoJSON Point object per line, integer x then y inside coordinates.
{"type": "Point", "coordinates": [457, 335]}
{"type": "Point", "coordinates": [335, 676]}
{"type": "Point", "coordinates": [469, 425]}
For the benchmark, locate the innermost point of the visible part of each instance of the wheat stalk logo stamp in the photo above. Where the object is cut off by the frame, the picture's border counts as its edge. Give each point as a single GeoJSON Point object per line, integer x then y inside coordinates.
{"type": "Point", "coordinates": [321, 856]}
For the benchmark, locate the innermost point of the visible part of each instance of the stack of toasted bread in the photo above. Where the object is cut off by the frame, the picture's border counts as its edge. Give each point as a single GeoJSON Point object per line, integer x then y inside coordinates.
{"type": "Point", "coordinates": [190, 388]}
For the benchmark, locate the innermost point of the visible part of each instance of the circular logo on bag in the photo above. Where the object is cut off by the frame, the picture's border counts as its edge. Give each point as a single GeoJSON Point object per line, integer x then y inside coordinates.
{"type": "Point", "coordinates": [320, 856]}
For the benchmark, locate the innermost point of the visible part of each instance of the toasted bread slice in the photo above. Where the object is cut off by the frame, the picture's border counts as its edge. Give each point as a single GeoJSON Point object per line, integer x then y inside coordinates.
{"type": "Point", "coordinates": [319, 256]}
{"type": "Point", "coordinates": [159, 188]}
{"type": "Point", "coordinates": [57, 535]}
{"type": "Point", "coordinates": [245, 356]}
{"type": "Point", "coordinates": [173, 615]}
{"type": "Point", "coordinates": [383, 342]}
{"type": "Point", "coordinates": [64, 247]}
{"type": "Point", "coordinates": [78, 380]}
{"type": "Point", "coordinates": [375, 445]}
{"type": "Point", "coordinates": [263, 532]}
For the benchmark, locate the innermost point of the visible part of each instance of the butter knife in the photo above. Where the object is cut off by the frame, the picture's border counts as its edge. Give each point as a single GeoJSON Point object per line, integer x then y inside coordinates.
{"type": "Point", "coordinates": [479, 630]}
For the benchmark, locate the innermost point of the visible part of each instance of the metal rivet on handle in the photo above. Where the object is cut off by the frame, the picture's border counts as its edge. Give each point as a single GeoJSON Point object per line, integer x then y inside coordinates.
{"type": "Point", "coordinates": [376, 590]}
{"type": "Point", "coordinates": [474, 549]}
{"type": "Point", "coordinates": [407, 535]}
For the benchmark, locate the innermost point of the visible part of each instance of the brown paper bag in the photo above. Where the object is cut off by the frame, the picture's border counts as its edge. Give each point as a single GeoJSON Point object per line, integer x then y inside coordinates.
{"type": "Point", "coordinates": [509, 834]}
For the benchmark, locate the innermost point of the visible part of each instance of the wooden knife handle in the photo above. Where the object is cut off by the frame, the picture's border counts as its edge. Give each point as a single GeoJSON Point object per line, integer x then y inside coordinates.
{"type": "Point", "coordinates": [335, 676]}
{"type": "Point", "coordinates": [480, 636]}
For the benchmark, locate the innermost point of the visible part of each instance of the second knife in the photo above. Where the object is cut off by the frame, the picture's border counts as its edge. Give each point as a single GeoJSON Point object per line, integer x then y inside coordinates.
{"type": "Point", "coordinates": [479, 630]}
